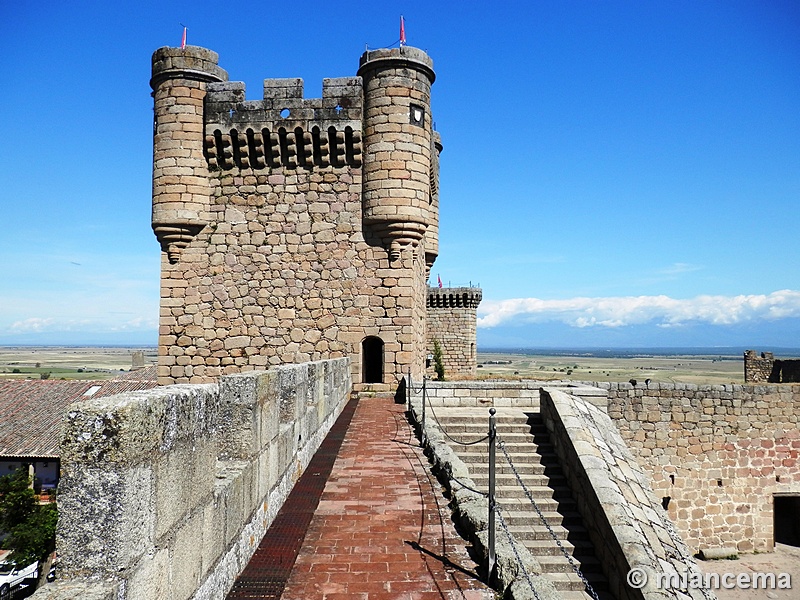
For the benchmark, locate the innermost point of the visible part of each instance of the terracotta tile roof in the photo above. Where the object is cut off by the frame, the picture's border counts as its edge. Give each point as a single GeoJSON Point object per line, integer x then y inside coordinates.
{"type": "Point", "coordinates": [31, 409]}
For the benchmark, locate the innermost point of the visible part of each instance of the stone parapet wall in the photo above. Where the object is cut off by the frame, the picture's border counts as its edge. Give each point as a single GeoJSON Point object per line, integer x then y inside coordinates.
{"type": "Point", "coordinates": [167, 493]}
{"type": "Point", "coordinates": [716, 454]}
{"type": "Point", "coordinates": [523, 394]}
{"type": "Point", "coordinates": [628, 527]}
{"type": "Point", "coordinates": [765, 368]}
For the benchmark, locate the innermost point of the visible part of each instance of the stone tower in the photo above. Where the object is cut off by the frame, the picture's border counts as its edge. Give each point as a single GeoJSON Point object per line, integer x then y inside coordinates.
{"type": "Point", "coordinates": [294, 229]}
{"type": "Point", "coordinates": [452, 323]}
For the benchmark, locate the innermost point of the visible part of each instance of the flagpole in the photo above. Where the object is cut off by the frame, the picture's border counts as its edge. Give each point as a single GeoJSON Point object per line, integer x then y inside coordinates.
{"type": "Point", "coordinates": [183, 39]}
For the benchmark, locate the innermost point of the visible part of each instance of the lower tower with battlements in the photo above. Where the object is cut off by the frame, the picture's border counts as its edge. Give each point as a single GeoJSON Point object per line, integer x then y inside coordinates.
{"type": "Point", "coordinates": [452, 323]}
{"type": "Point", "coordinates": [294, 229]}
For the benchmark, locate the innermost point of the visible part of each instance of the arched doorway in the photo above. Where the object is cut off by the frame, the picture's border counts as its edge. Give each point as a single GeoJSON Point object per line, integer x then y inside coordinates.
{"type": "Point", "coordinates": [372, 360]}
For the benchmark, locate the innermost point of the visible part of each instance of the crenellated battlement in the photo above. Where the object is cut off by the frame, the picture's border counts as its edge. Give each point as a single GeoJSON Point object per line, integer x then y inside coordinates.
{"type": "Point", "coordinates": [451, 323]}
{"type": "Point", "coordinates": [461, 297]}
{"type": "Point", "coordinates": [284, 130]}
{"type": "Point", "coordinates": [296, 228]}
{"type": "Point", "coordinates": [284, 104]}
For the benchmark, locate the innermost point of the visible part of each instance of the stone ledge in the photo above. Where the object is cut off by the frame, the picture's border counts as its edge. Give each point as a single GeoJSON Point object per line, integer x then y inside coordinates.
{"type": "Point", "coordinates": [627, 526]}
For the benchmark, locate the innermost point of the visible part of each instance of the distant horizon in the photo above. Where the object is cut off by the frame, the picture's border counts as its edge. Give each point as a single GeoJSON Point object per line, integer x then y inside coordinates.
{"type": "Point", "coordinates": [734, 350]}
{"type": "Point", "coordinates": [645, 199]}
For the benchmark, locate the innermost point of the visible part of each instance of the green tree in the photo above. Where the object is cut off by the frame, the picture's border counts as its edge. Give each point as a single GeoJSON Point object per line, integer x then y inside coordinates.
{"type": "Point", "coordinates": [438, 360]}
{"type": "Point", "coordinates": [31, 527]}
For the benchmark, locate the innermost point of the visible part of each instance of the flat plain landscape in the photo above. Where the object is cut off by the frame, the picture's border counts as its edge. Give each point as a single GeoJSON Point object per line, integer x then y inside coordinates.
{"type": "Point", "coordinates": [107, 362]}
{"type": "Point", "coordinates": [63, 362]}
{"type": "Point", "coordinates": [606, 366]}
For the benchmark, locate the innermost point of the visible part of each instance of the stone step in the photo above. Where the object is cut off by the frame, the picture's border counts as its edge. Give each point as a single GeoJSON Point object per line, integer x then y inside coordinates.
{"type": "Point", "coordinates": [516, 459]}
{"type": "Point", "coordinates": [564, 582]}
{"type": "Point", "coordinates": [478, 469]}
{"type": "Point", "coordinates": [556, 484]}
{"type": "Point", "coordinates": [535, 530]}
{"type": "Point", "coordinates": [537, 484]}
{"type": "Point", "coordinates": [574, 595]}
{"type": "Point", "coordinates": [558, 563]}
{"type": "Point", "coordinates": [517, 503]}
{"type": "Point", "coordinates": [548, 547]}
{"type": "Point", "coordinates": [481, 428]}
{"type": "Point", "coordinates": [515, 516]}
{"type": "Point", "coordinates": [516, 453]}
{"type": "Point", "coordinates": [527, 445]}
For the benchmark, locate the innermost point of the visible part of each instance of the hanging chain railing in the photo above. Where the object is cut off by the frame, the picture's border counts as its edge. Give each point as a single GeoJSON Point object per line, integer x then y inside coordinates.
{"type": "Point", "coordinates": [513, 543]}
{"type": "Point", "coordinates": [494, 507]}
{"type": "Point", "coordinates": [550, 529]}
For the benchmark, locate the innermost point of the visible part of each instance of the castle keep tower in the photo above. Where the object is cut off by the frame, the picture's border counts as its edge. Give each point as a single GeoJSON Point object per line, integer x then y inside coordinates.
{"type": "Point", "coordinates": [451, 322]}
{"type": "Point", "coordinates": [293, 229]}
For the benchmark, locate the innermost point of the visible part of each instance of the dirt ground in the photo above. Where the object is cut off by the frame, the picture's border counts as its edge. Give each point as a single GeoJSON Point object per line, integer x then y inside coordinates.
{"type": "Point", "coordinates": [785, 559]}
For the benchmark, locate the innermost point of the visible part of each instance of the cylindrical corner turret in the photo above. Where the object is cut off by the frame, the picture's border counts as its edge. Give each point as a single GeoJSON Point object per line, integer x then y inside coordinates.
{"type": "Point", "coordinates": [181, 191]}
{"type": "Point", "coordinates": [432, 233]}
{"type": "Point", "coordinates": [397, 144]}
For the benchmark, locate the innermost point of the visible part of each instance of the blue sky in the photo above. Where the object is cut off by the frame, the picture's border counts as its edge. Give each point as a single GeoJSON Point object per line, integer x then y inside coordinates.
{"type": "Point", "coordinates": [614, 173]}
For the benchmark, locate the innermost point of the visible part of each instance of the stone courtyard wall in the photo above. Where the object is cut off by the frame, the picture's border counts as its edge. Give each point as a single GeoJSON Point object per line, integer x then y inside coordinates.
{"type": "Point", "coordinates": [717, 455]}
{"type": "Point", "coordinates": [628, 528]}
{"type": "Point", "coordinates": [166, 493]}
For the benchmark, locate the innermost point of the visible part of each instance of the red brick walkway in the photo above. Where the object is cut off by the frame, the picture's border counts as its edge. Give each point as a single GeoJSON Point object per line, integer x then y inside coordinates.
{"type": "Point", "coordinates": [382, 530]}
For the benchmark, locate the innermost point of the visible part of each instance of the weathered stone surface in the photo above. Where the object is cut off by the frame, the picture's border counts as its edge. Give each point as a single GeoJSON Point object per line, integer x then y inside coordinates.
{"type": "Point", "coordinates": [451, 322]}
{"type": "Point", "coordinates": [294, 229]}
{"type": "Point", "coordinates": [628, 527]}
{"type": "Point", "coordinates": [715, 455]}
{"type": "Point", "coordinates": [164, 494]}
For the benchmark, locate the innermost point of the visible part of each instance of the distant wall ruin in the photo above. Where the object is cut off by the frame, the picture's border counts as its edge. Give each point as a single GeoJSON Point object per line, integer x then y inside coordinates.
{"type": "Point", "coordinates": [765, 368]}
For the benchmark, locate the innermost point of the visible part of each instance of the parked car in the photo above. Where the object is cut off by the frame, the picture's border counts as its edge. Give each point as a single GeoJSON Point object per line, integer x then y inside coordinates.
{"type": "Point", "coordinates": [12, 576]}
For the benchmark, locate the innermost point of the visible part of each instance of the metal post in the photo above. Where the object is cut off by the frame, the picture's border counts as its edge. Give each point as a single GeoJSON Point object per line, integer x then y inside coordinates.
{"type": "Point", "coordinates": [424, 399]}
{"type": "Point", "coordinates": [492, 502]}
{"type": "Point", "coordinates": [409, 391]}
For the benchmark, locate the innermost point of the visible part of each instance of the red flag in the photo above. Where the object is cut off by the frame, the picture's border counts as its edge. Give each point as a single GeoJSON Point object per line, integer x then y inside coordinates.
{"type": "Point", "coordinates": [440, 280]}
{"type": "Point", "coordinates": [183, 41]}
{"type": "Point", "coordinates": [403, 34]}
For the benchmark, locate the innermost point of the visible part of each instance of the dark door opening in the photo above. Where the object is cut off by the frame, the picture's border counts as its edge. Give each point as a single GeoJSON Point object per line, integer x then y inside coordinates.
{"type": "Point", "coordinates": [372, 359]}
{"type": "Point", "coordinates": [786, 510]}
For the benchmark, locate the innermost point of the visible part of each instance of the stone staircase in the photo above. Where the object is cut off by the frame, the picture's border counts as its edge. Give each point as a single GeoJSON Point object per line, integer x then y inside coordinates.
{"type": "Point", "coordinates": [528, 445]}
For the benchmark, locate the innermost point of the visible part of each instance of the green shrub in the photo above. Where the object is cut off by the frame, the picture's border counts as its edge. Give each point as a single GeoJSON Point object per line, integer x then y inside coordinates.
{"type": "Point", "coordinates": [438, 360]}
{"type": "Point", "coordinates": [31, 527]}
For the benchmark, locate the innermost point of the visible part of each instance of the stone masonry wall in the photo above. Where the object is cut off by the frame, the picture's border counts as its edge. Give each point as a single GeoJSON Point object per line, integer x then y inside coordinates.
{"type": "Point", "coordinates": [716, 454]}
{"type": "Point", "coordinates": [276, 281]}
{"type": "Point", "coordinates": [628, 527]}
{"type": "Point", "coordinates": [452, 321]}
{"type": "Point", "coordinates": [282, 243]}
{"type": "Point", "coordinates": [523, 394]}
{"type": "Point", "coordinates": [167, 493]}
{"type": "Point", "coordinates": [758, 369]}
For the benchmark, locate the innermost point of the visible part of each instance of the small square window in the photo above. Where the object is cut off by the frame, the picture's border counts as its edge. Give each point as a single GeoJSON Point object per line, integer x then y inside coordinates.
{"type": "Point", "coordinates": [417, 115]}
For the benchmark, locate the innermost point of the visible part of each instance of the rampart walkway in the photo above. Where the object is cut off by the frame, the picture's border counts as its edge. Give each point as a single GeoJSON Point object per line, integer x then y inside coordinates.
{"type": "Point", "coordinates": [381, 529]}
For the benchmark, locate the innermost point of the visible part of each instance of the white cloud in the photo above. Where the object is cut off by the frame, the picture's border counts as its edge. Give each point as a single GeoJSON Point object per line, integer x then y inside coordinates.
{"type": "Point", "coordinates": [32, 325]}
{"type": "Point", "coordinates": [636, 310]}
{"type": "Point", "coordinates": [41, 325]}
